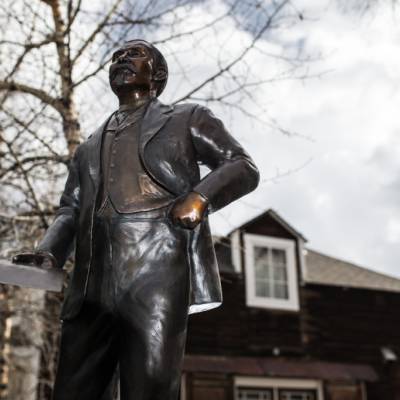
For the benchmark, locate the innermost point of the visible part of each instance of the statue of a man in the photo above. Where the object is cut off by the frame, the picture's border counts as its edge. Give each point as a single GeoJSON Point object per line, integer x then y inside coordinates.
{"type": "Point", "coordinates": [136, 206]}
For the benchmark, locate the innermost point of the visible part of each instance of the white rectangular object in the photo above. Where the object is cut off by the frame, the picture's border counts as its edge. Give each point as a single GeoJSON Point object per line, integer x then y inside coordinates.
{"type": "Point", "coordinates": [31, 276]}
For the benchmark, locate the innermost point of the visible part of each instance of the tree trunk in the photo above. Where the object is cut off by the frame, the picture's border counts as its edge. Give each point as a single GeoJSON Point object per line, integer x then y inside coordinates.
{"type": "Point", "coordinates": [25, 342]}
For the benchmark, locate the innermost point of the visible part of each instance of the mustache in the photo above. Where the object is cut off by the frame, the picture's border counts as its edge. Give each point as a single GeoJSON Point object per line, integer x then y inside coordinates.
{"type": "Point", "coordinates": [115, 68]}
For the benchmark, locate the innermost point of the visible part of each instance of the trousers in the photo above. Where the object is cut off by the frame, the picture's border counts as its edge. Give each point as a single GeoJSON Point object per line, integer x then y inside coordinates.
{"type": "Point", "coordinates": [134, 315]}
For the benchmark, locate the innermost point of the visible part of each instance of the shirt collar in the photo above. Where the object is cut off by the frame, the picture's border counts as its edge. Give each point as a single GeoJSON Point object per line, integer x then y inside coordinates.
{"type": "Point", "coordinates": [134, 114]}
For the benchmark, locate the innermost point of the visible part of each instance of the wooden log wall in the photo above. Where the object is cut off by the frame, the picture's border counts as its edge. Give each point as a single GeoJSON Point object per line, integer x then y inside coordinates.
{"type": "Point", "coordinates": [237, 330]}
{"type": "Point", "coordinates": [334, 324]}
{"type": "Point", "coordinates": [350, 324]}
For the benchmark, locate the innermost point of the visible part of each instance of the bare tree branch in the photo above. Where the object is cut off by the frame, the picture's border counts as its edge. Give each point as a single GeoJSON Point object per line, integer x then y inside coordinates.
{"type": "Point", "coordinates": [232, 63]}
{"type": "Point", "coordinates": [96, 31]}
{"type": "Point", "coordinates": [12, 86]}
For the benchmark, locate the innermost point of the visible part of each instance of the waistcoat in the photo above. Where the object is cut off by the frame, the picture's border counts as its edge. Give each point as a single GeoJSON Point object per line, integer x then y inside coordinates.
{"type": "Point", "coordinates": [125, 183]}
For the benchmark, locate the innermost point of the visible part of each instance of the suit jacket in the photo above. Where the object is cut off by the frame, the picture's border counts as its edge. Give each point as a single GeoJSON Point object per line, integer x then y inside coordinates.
{"type": "Point", "coordinates": [173, 141]}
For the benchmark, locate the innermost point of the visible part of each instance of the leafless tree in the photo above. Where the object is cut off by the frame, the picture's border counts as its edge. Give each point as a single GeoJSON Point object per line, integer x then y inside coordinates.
{"type": "Point", "coordinates": [53, 90]}
{"type": "Point", "coordinates": [363, 7]}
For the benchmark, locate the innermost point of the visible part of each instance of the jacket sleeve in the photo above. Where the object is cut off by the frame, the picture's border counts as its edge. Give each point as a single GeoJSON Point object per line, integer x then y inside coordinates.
{"type": "Point", "coordinates": [59, 237]}
{"type": "Point", "coordinates": [233, 173]}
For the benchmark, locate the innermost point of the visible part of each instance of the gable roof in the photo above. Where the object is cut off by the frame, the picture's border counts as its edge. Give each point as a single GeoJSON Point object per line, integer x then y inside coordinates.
{"type": "Point", "coordinates": [326, 270]}
{"type": "Point", "coordinates": [318, 268]}
{"type": "Point", "coordinates": [274, 215]}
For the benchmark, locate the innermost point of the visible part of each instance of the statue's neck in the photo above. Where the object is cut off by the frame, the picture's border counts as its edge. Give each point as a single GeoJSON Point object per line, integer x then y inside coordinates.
{"type": "Point", "coordinates": [135, 98]}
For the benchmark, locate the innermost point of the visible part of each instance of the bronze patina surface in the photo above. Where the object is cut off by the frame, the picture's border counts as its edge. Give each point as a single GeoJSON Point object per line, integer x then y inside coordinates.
{"type": "Point", "coordinates": [137, 210]}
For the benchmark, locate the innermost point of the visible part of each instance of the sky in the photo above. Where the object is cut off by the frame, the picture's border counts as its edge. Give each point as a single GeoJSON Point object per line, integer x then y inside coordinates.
{"type": "Point", "coordinates": [338, 182]}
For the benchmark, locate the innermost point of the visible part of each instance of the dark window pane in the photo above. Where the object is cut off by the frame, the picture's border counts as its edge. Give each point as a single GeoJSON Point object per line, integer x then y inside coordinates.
{"type": "Point", "coordinates": [281, 291]}
{"type": "Point", "coordinates": [279, 257]}
{"type": "Point", "coordinates": [280, 274]}
{"type": "Point", "coordinates": [263, 288]}
{"type": "Point", "coordinates": [271, 275]}
{"type": "Point", "coordinates": [261, 262]}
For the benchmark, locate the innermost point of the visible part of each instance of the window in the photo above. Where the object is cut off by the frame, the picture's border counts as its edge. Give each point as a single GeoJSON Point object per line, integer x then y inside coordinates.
{"type": "Point", "coordinates": [252, 388]}
{"type": "Point", "coordinates": [271, 278]}
{"type": "Point", "coordinates": [254, 394]}
{"type": "Point", "coordinates": [268, 394]}
{"type": "Point", "coordinates": [301, 394]}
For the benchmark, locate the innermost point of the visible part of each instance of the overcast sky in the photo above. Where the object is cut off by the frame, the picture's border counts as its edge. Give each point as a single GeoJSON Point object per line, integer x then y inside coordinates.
{"type": "Point", "coordinates": [344, 191]}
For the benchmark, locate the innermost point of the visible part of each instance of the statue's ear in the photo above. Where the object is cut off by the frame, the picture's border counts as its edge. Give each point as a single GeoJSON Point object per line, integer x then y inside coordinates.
{"type": "Point", "coordinates": [160, 74]}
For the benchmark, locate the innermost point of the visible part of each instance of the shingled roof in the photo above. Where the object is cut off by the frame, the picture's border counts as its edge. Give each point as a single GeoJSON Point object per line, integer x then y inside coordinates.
{"type": "Point", "coordinates": [325, 270]}
{"type": "Point", "coordinates": [318, 268]}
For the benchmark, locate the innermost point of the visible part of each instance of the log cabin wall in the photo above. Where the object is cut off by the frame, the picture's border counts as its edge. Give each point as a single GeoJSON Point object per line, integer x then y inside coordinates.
{"type": "Point", "coordinates": [339, 325]}
{"type": "Point", "coordinates": [334, 324]}
{"type": "Point", "coordinates": [206, 386]}
{"type": "Point", "coordinates": [347, 324]}
{"type": "Point", "coordinates": [238, 330]}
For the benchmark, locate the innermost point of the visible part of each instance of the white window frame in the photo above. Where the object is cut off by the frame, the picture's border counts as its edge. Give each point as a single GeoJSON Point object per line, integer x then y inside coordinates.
{"type": "Point", "coordinates": [290, 304]}
{"type": "Point", "coordinates": [278, 383]}
{"type": "Point", "coordinates": [235, 251]}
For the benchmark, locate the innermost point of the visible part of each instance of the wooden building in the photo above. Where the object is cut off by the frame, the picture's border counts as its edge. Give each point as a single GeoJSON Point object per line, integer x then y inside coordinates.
{"type": "Point", "coordinates": [295, 324]}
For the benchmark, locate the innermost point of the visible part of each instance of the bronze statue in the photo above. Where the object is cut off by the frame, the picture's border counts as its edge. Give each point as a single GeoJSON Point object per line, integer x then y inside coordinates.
{"type": "Point", "coordinates": [137, 208]}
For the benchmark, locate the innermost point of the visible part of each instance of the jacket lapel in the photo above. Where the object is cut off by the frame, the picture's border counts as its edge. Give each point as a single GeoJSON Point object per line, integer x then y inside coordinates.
{"type": "Point", "coordinates": [94, 149]}
{"type": "Point", "coordinates": [156, 116]}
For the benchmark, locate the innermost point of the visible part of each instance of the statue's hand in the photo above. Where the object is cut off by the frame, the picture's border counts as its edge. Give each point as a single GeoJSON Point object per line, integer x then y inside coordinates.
{"type": "Point", "coordinates": [38, 259]}
{"type": "Point", "coordinates": [188, 211]}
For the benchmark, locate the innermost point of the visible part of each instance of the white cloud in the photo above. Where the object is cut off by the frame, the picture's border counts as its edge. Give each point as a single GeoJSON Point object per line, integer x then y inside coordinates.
{"type": "Point", "coordinates": [393, 231]}
{"type": "Point", "coordinates": [346, 201]}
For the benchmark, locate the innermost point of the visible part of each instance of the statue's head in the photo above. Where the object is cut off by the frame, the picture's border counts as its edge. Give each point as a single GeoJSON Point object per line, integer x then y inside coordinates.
{"type": "Point", "coordinates": [138, 65]}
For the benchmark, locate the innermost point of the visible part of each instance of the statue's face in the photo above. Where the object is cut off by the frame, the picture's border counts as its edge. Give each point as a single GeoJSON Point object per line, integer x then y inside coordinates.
{"type": "Point", "coordinates": [131, 67]}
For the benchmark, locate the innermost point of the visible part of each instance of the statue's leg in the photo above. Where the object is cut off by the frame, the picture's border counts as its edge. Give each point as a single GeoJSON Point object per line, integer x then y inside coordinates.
{"type": "Point", "coordinates": [88, 351]}
{"type": "Point", "coordinates": [152, 308]}
{"type": "Point", "coordinates": [87, 357]}
{"type": "Point", "coordinates": [111, 392]}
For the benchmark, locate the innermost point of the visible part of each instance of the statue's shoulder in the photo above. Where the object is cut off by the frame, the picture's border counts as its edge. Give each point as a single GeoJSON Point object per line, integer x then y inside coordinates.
{"type": "Point", "coordinates": [185, 108]}
{"type": "Point", "coordinates": [192, 107]}
{"type": "Point", "coordinates": [190, 111]}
